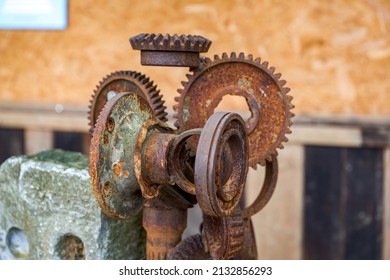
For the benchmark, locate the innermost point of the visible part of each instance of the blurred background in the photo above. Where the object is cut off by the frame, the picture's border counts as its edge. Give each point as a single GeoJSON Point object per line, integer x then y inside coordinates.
{"type": "Point", "coordinates": [332, 200]}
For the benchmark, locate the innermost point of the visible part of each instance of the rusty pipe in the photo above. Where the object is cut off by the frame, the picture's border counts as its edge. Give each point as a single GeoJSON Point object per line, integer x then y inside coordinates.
{"type": "Point", "coordinates": [164, 227]}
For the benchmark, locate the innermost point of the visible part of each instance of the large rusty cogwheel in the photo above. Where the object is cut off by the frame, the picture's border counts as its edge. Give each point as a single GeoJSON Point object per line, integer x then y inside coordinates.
{"type": "Point", "coordinates": [243, 76]}
{"type": "Point", "coordinates": [125, 81]}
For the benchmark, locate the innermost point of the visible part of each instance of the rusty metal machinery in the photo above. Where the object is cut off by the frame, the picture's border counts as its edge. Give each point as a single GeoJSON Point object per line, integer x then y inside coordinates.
{"type": "Point", "coordinates": [138, 162]}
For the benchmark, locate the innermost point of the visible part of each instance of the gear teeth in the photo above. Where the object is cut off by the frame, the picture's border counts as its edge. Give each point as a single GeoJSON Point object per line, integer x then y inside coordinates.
{"type": "Point", "coordinates": [208, 63]}
{"type": "Point", "coordinates": [165, 41]}
{"type": "Point", "coordinates": [154, 92]}
{"type": "Point", "coordinates": [188, 76]}
{"type": "Point", "coordinates": [277, 77]}
{"type": "Point", "coordinates": [138, 79]}
{"type": "Point", "coordinates": [196, 45]}
{"type": "Point", "coordinates": [177, 124]}
{"type": "Point", "coordinates": [232, 230]}
{"type": "Point", "coordinates": [282, 83]}
{"type": "Point", "coordinates": [176, 41]}
{"type": "Point", "coordinates": [156, 99]}
{"type": "Point", "coordinates": [207, 60]}
{"type": "Point", "coordinates": [187, 43]}
{"type": "Point", "coordinates": [159, 42]}
{"type": "Point", "coordinates": [160, 110]}
{"type": "Point", "coordinates": [149, 84]}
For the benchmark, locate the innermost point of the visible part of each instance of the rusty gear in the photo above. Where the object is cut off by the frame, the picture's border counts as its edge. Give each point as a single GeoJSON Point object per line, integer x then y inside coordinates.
{"type": "Point", "coordinates": [170, 50]}
{"type": "Point", "coordinates": [249, 248]}
{"type": "Point", "coordinates": [159, 42]}
{"type": "Point", "coordinates": [224, 235]}
{"type": "Point", "coordinates": [125, 81]}
{"type": "Point", "coordinates": [244, 76]}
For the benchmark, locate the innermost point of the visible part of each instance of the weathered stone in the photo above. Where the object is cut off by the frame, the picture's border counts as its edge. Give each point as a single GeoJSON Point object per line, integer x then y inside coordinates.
{"type": "Point", "coordinates": [48, 211]}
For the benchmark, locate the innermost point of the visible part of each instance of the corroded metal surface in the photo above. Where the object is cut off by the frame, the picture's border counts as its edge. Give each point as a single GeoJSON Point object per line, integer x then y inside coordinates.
{"type": "Point", "coordinates": [138, 162]}
{"type": "Point", "coordinates": [170, 50]}
{"type": "Point", "coordinates": [221, 164]}
{"type": "Point", "coordinates": [180, 165]}
{"type": "Point", "coordinates": [164, 226]}
{"type": "Point", "coordinates": [224, 235]}
{"type": "Point", "coordinates": [191, 248]}
{"type": "Point", "coordinates": [125, 81]}
{"type": "Point", "coordinates": [243, 76]}
{"type": "Point", "coordinates": [150, 154]}
{"type": "Point", "coordinates": [269, 185]}
{"type": "Point", "coordinates": [249, 248]}
{"type": "Point", "coordinates": [111, 158]}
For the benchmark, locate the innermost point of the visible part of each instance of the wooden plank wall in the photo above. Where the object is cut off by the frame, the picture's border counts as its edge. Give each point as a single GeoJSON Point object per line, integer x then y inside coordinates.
{"type": "Point", "coordinates": [386, 198]}
{"type": "Point", "coordinates": [343, 203]}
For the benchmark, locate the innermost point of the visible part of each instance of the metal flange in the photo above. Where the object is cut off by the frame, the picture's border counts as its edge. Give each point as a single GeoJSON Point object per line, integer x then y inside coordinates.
{"type": "Point", "coordinates": [221, 164]}
{"type": "Point", "coordinates": [111, 165]}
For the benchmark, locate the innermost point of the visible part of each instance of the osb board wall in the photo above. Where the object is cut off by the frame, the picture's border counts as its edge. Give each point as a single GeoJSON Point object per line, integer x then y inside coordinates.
{"type": "Point", "coordinates": [335, 54]}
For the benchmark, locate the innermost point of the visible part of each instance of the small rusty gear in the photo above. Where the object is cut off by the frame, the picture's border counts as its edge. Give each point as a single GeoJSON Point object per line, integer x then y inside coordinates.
{"type": "Point", "coordinates": [224, 235]}
{"type": "Point", "coordinates": [244, 76]}
{"type": "Point", "coordinates": [170, 50]}
{"type": "Point", "coordinates": [125, 81]}
{"type": "Point", "coordinates": [159, 42]}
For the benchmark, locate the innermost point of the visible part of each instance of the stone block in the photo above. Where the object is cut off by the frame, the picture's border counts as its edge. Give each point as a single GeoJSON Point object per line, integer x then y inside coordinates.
{"type": "Point", "coordinates": [48, 211]}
